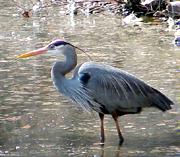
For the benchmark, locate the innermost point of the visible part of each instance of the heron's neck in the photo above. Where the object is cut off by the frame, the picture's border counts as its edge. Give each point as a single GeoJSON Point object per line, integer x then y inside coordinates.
{"type": "Point", "coordinates": [61, 68]}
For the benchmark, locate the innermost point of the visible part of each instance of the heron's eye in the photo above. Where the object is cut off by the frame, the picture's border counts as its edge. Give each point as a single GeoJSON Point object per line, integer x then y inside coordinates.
{"type": "Point", "coordinates": [52, 46]}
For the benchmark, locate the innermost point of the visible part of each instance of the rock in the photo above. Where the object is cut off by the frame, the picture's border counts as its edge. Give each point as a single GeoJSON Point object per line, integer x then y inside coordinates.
{"type": "Point", "coordinates": [173, 8]}
{"type": "Point", "coordinates": [134, 6]}
{"type": "Point", "coordinates": [160, 14]}
{"type": "Point", "coordinates": [177, 34]}
{"type": "Point", "coordinates": [154, 5]}
{"type": "Point", "coordinates": [131, 20]}
{"type": "Point", "coordinates": [148, 7]}
{"type": "Point", "coordinates": [176, 41]}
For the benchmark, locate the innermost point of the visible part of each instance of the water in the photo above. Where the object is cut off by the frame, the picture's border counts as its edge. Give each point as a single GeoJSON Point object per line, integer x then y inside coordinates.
{"type": "Point", "coordinates": [36, 121]}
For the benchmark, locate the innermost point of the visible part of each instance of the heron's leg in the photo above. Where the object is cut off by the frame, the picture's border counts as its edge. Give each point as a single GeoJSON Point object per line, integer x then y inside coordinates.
{"type": "Point", "coordinates": [102, 136]}
{"type": "Point", "coordinates": [121, 139]}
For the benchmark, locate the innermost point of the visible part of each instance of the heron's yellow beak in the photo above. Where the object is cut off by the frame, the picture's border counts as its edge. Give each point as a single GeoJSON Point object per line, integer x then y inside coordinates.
{"type": "Point", "coordinates": [33, 53]}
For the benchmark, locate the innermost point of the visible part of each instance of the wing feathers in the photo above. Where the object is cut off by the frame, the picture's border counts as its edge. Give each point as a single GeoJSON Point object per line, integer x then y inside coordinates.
{"type": "Point", "coordinates": [115, 88]}
{"type": "Point", "coordinates": [160, 101]}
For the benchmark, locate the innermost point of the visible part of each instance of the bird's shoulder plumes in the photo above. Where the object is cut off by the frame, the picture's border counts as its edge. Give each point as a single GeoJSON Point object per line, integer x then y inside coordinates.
{"type": "Point", "coordinates": [119, 89]}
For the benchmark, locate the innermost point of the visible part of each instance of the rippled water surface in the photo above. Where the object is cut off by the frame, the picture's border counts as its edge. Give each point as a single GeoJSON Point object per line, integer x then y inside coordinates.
{"type": "Point", "coordinates": [35, 120]}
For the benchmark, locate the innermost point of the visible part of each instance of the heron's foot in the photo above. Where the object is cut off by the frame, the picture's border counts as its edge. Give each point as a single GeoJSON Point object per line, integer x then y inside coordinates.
{"type": "Point", "coordinates": [101, 144]}
{"type": "Point", "coordinates": [102, 140]}
{"type": "Point", "coordinates": [121, 140]}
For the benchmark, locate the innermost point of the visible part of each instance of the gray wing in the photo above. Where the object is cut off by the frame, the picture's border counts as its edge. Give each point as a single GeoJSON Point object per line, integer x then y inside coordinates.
{"type": "Point", "coordinates": [118, 90]}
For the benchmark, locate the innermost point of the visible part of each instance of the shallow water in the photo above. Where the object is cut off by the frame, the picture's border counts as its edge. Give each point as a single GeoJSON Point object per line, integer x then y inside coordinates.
{"type": "Point", "coordinates": [36, 121]}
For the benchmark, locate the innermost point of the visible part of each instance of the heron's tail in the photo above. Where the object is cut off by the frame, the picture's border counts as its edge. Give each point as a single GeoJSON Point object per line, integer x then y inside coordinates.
{"type": "Point", "coordinates": [160, 101]}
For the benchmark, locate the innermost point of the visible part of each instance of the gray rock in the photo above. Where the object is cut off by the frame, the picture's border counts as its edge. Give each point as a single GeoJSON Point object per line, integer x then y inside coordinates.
{"type": "Point", "coordinates": [174, 8]}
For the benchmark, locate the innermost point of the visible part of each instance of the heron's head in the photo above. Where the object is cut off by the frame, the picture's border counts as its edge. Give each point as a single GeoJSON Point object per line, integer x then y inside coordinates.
{"type": "Point", "coordinates": [55, 47]}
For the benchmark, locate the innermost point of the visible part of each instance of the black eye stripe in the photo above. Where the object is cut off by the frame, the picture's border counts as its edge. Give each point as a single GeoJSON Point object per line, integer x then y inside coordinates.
{"type": "Point", "coordinates": [59, 42]}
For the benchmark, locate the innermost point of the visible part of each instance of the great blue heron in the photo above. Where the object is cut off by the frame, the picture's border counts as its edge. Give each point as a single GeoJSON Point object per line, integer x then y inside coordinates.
{"type": "Point", "coordinates": [99, 87]}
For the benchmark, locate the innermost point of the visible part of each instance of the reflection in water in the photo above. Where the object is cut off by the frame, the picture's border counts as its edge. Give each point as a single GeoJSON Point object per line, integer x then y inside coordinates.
{"type": "Point", "coordinates": [36, 121]}
{"type": "Point", "coordinates": [103, 152]}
